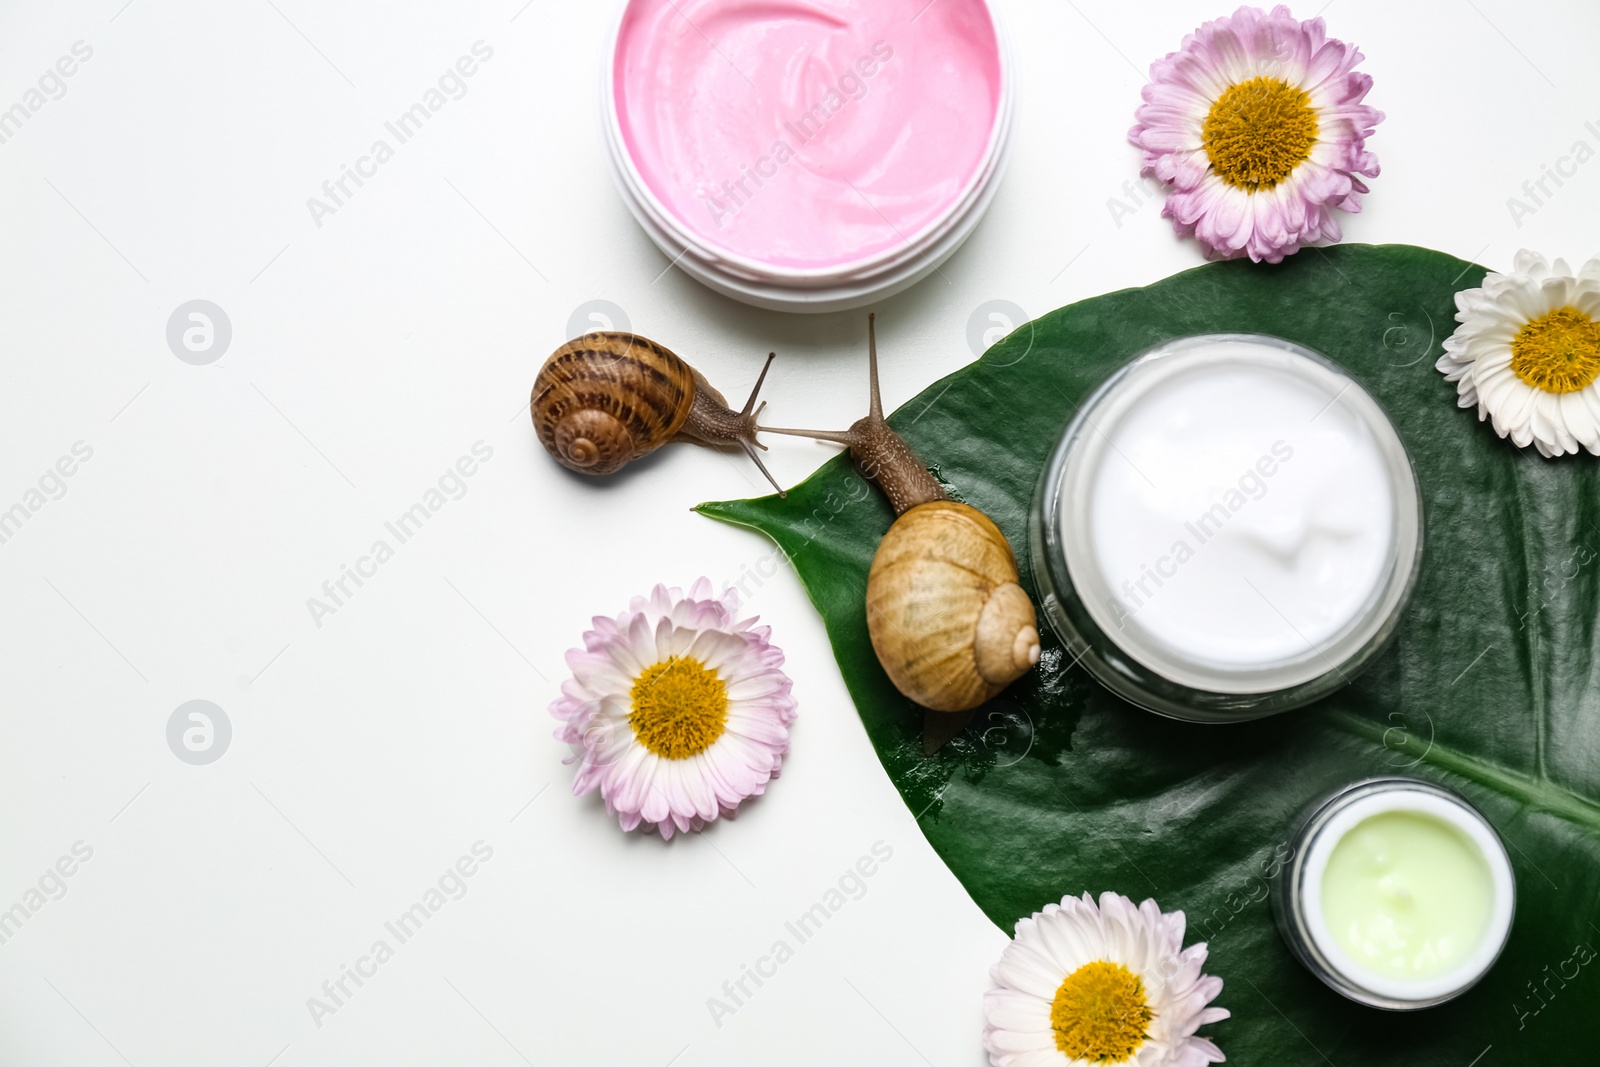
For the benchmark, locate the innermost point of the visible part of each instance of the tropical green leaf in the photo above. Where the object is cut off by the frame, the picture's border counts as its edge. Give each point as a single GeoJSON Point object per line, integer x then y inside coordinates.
{"type": "Point", "coordinates": [1490, 687]}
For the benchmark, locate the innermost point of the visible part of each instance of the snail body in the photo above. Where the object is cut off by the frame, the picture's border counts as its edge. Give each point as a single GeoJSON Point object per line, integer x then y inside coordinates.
{"type": "Point", "coordinates": [947, 618]}
{"type": "Point", "coordinates": [607, 398]}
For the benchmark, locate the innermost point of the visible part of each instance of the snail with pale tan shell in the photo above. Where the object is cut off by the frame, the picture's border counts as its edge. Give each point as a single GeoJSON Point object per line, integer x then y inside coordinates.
{"type": "Point", "coordinates": [946, 616]}
{"type": "Point", "coordinates": [607, 398]}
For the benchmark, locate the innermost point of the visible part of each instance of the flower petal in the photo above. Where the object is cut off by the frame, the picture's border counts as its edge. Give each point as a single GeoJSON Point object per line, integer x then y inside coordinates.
{"type": "Point", "coordinates": [639, 787]}
{"type": "Point", "coordinates": [1052, 944]}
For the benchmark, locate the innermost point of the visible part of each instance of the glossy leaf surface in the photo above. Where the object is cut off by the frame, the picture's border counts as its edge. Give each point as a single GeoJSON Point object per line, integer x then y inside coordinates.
{"type": "Point", "coordinates": [1491, 686]}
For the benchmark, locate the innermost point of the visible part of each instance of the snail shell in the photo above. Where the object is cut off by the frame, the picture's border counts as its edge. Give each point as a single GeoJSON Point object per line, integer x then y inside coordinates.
{"type": "Point", "coordinates": [946, 616]}
{"type": "Point", "coordinates": [948, 620]}
{"type": "Point", "coordinates": [604, 399]}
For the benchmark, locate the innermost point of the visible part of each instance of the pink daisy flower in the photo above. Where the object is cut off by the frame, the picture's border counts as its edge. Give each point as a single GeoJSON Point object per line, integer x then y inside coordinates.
{"type": "Point", "coordinates": [676, 710]}
{"type": "Point", "coordinates": [1256, 125]}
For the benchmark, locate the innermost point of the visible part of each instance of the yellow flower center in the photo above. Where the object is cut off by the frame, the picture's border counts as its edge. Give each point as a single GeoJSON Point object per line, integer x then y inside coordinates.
{"type": "Point", "coordinates": [1258, 132]}
{"type": "Point", "coordinates": [680, 708]}
{"type": "Point", "coordinates": [1558, 352]}
{"type": "Point", "coordinates": [1100, 1013]}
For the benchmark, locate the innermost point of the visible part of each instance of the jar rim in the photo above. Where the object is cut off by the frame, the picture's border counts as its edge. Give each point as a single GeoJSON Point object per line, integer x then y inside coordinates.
{"type": "Point", "coordinates": [1297, 896]}
{"type": "Point", "coordinates": [1348, 811]}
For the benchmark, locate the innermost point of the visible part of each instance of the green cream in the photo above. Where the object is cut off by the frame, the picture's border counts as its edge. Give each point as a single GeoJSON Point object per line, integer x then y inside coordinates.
{"type": "Point", "coordinates": [1407, 895]}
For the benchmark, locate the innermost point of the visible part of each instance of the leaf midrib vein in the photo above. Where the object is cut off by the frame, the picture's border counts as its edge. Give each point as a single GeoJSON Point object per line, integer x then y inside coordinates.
{"type": "Point", "coordinates": [1541, 704]}
{"type": "Point", "coordinates": [1534, 790]}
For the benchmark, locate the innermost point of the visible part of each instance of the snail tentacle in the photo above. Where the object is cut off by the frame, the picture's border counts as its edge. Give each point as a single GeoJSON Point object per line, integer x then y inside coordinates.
{"type": "Point", "coordinates": [945, 614]}
{"type": "Point", "coordinates": [712, 422]}
{"type": "Point", "coordinates": [881, 454]}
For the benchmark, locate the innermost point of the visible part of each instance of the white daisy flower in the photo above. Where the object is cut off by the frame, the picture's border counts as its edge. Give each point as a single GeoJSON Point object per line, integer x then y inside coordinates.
{"type": "Point", "coordinates": [1087, 986]}
{"type": "Point", "coordinates": [1527, 354]}
{"type": "Point", "coordinates": [677, 710]}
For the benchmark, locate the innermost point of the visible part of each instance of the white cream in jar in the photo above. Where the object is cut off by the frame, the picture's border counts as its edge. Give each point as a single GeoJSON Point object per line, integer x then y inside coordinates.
{"type": "Point", "coordinates": [1235, 524]}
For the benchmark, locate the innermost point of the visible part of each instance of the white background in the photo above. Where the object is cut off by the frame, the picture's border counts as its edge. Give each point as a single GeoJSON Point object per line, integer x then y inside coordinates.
{"type": "Point", "coordinates": [371, 352]}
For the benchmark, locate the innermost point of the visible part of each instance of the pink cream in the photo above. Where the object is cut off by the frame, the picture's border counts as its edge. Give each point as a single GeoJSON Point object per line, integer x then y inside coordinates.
{"type": "Point", "coordinates": [807, 134]}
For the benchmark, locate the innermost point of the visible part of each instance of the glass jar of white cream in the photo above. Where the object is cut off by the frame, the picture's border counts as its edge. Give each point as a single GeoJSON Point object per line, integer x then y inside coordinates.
{"type": "Point", "coordinates": [1229, 528]}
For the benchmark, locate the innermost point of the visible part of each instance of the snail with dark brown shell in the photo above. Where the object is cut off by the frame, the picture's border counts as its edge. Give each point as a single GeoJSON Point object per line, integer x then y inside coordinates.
{"type": "Point", "coordinates": [945, 613]}
{"type": "Point", "coordinates": [607, 398]}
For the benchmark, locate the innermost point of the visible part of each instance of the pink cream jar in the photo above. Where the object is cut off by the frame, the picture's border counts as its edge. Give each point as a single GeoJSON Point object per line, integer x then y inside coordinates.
{"type": "Point", "coordinates": [808, 155]}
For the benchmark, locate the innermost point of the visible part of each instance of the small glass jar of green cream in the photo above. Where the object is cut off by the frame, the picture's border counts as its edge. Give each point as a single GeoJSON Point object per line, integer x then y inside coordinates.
{"type": "Point", "coordinates": [1399, 894]}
